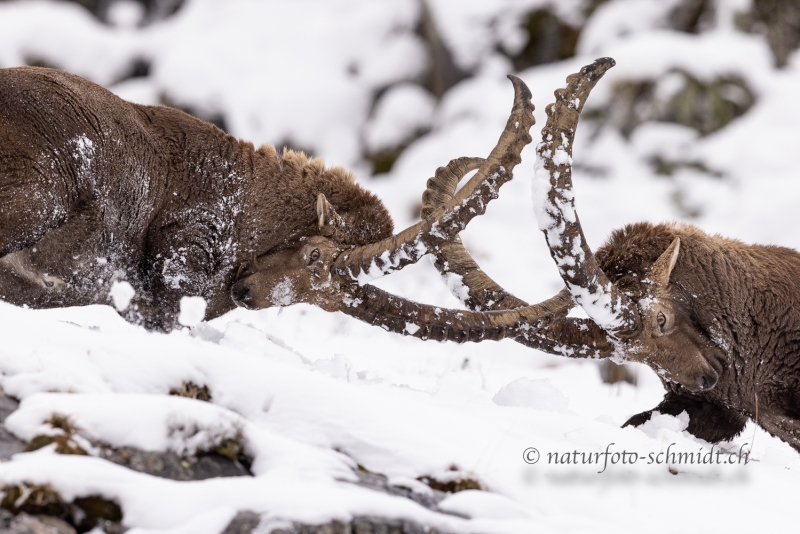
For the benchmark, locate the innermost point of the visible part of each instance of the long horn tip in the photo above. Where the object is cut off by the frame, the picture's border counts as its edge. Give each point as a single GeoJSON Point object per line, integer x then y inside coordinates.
{"type": "Point", "coordinates": [599, 67]}
{"type": "Point", "coordinates": [520, 88]}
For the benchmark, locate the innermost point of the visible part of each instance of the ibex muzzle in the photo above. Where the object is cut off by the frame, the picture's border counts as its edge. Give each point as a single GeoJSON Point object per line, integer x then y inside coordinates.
{"type": "Point", "coordinates": [298, 274]}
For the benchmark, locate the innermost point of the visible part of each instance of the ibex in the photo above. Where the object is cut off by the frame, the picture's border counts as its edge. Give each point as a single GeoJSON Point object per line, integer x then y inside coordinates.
{"type": "Point", "coordinates": [715, 318]}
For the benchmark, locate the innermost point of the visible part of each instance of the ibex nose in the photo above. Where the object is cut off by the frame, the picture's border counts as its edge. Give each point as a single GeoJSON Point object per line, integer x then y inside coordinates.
{"type": "Point", "coordinates": [242, 296]}
{"type": "Point", "coordinates": [707, 381]}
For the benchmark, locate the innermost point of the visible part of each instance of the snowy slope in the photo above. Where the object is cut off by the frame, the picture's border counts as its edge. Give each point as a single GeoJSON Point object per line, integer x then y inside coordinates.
{"type": "Point", "coordinates": [314, 395]}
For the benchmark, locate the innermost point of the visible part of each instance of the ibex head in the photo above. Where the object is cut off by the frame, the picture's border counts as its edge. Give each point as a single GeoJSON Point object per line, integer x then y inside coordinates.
{"type": "Point", "coordinates": [668, 337]}
{"type": "Point", "coordinates": [298, 273]}
{"type": "Point", "coordinates": [652, 323]}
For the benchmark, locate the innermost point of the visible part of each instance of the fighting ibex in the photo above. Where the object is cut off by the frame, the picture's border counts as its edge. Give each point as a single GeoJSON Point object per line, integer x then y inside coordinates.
{"type": "Point", "coordinates": [97, 189]}
{"type": "Point", "coordinates": [717, 319]}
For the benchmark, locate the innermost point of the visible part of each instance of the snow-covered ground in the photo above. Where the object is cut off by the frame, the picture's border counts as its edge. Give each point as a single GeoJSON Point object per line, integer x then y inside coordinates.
{"type": "Point", "coordinates": [314, 395]}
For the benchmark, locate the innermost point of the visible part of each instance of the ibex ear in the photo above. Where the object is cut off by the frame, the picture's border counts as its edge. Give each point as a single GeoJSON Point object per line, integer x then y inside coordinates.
{"type": "Point", "coordinates": [328, 220]}
{"type": "Point", "coordinates": [663, 266]}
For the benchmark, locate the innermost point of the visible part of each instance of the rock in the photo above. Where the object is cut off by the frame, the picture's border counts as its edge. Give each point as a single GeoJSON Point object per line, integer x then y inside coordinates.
{"type": "Point", "coordinates": [779, 22]}
{"type": "Point", "coordinates": [226, 460]}
{"type": "Point", "coordinates": [198, 467]}
{"type": "Point", "coordinates": [28, 524]}
{"type": "Point", "coordinates": [246, 522]}
{"type": "Point", "coordinates": [549, 39]}
{"type": "Point", "coordinates": [173, 466]}
{"type": "Point", "coordinates": [9, 444]}
{"type": "Point", "coordinates": [375, 481]}
{"type": "Point", "coordinates": [243, 523]}
{"type": "Point", "coordinates": [360, 525]}
{"type": "Point", "coordinates": [52, 514]}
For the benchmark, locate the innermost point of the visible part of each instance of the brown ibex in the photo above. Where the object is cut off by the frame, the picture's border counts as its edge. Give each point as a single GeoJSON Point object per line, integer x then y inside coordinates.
{"type": "Point", "coordinates": [715, 318]}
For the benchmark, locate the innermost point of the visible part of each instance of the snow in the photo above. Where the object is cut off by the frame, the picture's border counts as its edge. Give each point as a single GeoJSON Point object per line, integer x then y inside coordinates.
{"type": "Point", "coordinates": [527, 393]}
{"type": "Point", "coordinates": [482, 504]}
{"type": "Point", "coordinates": [148, 422]}
{"type": "Point", "coordinates": [623, 19]}
{"type": "Point", "coordinates": [455, 282]}
{"type": "Point", "coordinates": [314, 394]}
{"type": "Point", "coordinates": [474, 29]}
{"type": "Point", "coordinates": [661, 426]}
{"type": "Point", "coordinates": [121, 294]}
{"type": "Point", "coordinates": [193, 310]}
{"type": "Point", "coordinates": [411, 328]}
{"type": "Point", "coordinates": [283, 293]}
{"type": "Point", "coordinates": [402, 112]}
{"type": "Point", "coordinates": [125, 13]}
{"type": "Point", "coordinates": [561, 157]}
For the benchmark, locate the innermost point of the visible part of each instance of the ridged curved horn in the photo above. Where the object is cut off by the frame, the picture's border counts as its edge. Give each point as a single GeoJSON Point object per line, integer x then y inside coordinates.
{"type": "Point", "coordinates": [453, 259]}
{"type": "Point", "coordinates": [561, 336]}
{"type": "Point", "coordinates": [391, 254]}
{"type": "Point", "coordinates": [442, 187]}
{"type": "Point", "coordinates": [330, 223]}
{"type": "Point", "coordinates": [537, 326]}
{"type": "Point", "coordinates": [609, 307]}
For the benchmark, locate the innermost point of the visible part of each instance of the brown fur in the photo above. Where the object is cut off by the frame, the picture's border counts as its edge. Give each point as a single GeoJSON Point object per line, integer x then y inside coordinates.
{"type": "Point", "coordinates": [743, 300]}
{"type": "Point", "coordinates": [96, 189]}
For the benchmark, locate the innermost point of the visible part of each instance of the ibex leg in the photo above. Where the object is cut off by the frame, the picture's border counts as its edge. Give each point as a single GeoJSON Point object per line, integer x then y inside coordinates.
{"type": "Point", "coordinates": [185, 263]}
{"type": "Point", "coordinates": [32, 202]}
{"type": "Point", "coordinates": [707, 421]}
{"type": "Point", "coordinates": [783, 427]}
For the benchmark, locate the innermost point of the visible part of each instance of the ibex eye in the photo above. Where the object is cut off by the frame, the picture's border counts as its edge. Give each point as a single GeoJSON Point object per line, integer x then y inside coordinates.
{"type": "Point", "coordinates": [661, 320]}
{"type": "Point", "coordinates": [314, 256]}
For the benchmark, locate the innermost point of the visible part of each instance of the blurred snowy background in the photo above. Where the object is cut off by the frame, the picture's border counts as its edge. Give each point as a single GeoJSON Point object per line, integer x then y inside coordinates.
{"type": "Point", "coordinates": [698, 122]}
